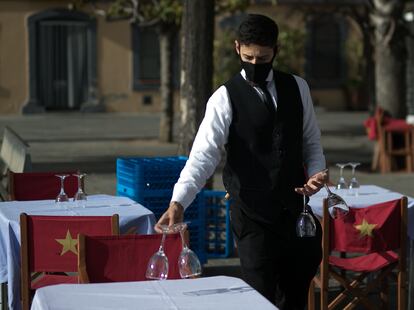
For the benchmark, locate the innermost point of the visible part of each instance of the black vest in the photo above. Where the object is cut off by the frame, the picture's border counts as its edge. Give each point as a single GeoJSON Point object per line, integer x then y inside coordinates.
{"type": "Point", "coordinates": [264, 151]}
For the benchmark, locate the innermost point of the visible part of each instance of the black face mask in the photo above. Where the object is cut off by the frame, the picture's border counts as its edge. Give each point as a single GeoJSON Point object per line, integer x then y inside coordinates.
{"type": "Point", "coordinates": [256, 73]}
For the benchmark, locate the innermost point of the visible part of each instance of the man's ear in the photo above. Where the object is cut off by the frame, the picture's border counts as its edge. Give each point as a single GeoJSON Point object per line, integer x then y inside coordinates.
{"type": "Point", "coordinates": [276, 50]}
{"type": "Point", "coordinates": [237, 46]}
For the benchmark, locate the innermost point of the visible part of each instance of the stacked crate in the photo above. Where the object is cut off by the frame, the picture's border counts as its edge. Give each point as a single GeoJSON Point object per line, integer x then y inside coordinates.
{"type": "Point", "coordinates": [150, 182]}
{"type": "Point", "coordinates": [219, 238]}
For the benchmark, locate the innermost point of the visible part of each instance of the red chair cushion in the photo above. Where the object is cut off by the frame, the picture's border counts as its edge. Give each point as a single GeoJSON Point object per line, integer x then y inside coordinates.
{"type": "Point", "coordinates": [49, 279]}
{"type": "Point", "coordinates": [125, 258]}
{"type": "Point", "coordinates": [397, 125]}
{"type": "Point", "coordinates": [371, 128]}
{"type": "Point", "coordinates": [367, 230]}
{"type": "Point", "coordinates": [52, 240]}
{"type": "Point", "coordinates": [366, 263]}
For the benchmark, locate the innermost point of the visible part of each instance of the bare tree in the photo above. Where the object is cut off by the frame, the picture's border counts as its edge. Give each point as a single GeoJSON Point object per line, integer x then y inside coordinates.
{"type": "Point", "coordinates": [382, 26]}
{"type": "Point", "coordinates": [197, 62]}
{"type": "Point", "coordinates": [390, 53]}
{"type": "Point", "coordinates": [196, 67]}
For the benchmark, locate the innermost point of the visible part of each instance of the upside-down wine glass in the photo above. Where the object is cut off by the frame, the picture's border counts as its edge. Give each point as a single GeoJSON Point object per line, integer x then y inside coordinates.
{"type": "Point", "coordinates": [62, 197]}
{"type": "Point", "coordinates": [305, 224]}
{"type": "Point", "coordinates": [80, 197]}
{"type": "Point", "coordinates": [157, 268]}
{"type": "Point", "coordinates": [341, 182]}
{"type": "Point", "coordinates": [337, 206]}
{"type": "Point", "coordinates": [354, 184]}
{"type": "Point", "coordinates": [188, 262]}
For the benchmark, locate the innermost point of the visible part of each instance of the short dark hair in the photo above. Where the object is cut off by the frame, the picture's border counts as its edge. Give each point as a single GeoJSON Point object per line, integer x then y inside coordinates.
{"type": "Point", "coordinates": [258, 29]}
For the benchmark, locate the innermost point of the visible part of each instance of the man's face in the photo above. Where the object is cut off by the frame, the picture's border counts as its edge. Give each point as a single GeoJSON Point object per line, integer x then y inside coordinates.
{"type": "Point", "coordinates": [253, 53]}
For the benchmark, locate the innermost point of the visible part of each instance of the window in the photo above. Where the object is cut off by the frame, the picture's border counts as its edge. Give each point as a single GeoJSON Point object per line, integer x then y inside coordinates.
{"type": "Point", "coordinates": [146, 59]}
{"type": "Point", "coordinates": [325, 63]}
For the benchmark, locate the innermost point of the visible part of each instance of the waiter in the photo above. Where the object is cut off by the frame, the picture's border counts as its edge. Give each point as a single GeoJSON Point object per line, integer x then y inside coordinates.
{"type": "Point", "coordinates": [264, 120]}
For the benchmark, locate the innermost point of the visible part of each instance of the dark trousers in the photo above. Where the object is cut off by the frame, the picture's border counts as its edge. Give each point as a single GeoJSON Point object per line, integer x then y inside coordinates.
{"type": "Point", "coordinates": [274, 261]}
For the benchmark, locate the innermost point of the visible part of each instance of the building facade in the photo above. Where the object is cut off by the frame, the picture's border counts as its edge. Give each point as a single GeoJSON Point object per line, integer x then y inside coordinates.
{"type": "Point", "coordinates": [57, 58]}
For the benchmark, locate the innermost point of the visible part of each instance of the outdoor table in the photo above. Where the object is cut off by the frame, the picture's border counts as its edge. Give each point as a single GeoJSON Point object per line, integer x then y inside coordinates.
{"type": "Point", "coordinates": [218, 292]}
{"type": "Point", "coordinates": [369, 195]}
{"type": "Point", "coordinates": [131, 214]}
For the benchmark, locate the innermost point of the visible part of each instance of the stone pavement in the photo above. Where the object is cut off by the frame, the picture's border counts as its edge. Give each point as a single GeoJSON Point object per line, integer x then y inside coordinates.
{"type": "Point", "coordinates": [91, 142]}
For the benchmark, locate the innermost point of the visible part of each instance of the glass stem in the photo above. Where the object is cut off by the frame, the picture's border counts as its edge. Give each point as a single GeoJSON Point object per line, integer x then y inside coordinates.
{"type": "Point", "coordinates": [62, 180]}
{"type": "Point", "coordinates": [161, 249]}
{"type": "Point", "coordinates": [79, 184]}
{"type": "Point", "coordinates": [304, 204]}
{"type": "Point", "coordinates": [183, 240]}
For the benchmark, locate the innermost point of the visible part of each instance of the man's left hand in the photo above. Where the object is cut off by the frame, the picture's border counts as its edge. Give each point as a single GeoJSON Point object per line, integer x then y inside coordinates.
{"type": "Point", "coordinates": [314, 184]}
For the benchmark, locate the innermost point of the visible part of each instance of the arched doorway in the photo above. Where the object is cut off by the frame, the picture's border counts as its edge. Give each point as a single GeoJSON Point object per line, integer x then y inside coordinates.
{"type": "Point", "coordinates": [62, 61]}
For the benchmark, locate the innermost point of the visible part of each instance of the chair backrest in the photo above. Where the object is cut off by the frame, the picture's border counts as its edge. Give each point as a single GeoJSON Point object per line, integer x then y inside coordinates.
{"type": "Point", "coordinates": [14, 152]}
{"type": "Point", "coordinates": [48, 243]}
{"type": "Point", "coordinates": [124, 258]}
{"type": "Point", "coordinates": [40, 185]}
{"type": "Point", "coordinates": [377, 228]}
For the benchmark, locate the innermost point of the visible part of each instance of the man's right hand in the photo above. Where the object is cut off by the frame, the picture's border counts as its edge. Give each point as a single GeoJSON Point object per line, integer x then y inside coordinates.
{"type": "Point", "coordinates": [174, 214]}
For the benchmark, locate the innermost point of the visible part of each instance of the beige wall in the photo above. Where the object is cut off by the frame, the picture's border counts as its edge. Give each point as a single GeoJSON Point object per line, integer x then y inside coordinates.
{"type": "Point", "coordinates": [114, 59]}
{"type": "Point", "coordinates": [115, 64]}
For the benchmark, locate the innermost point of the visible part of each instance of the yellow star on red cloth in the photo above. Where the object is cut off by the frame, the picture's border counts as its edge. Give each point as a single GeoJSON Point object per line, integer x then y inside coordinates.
{"type": "Point", "coordinates": [69, 244]}
{"type": "Point", "coordinates": [365, 229]}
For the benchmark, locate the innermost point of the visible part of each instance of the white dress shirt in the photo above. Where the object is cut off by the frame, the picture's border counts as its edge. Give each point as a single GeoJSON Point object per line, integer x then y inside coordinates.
{"type": "Point", "coordinates": [212, 136]}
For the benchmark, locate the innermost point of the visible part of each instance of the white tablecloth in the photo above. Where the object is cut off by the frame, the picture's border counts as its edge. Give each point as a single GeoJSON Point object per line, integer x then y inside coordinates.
{"type": "Point", "coordinates": [130, 214]}
{"type": "Point", "coordinates": [213, 293]}
{"type": "Point", "coordinates": [368, 195]}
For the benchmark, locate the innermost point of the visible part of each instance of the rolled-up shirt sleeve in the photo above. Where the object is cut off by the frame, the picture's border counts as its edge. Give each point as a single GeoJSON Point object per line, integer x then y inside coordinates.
{"type": "Point", "coordinates": [313, 156]}
{"type": "Point", "coordinates": [207, 148]}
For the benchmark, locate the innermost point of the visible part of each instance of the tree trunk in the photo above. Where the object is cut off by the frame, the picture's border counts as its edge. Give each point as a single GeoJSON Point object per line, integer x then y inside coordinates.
{"type": "Point", "coordinates": [166, 36]}
{"type": "Point", "coordinates": [370, 72]}
{"type": "Point", "coordinates": [410, 71]}
{"type": "Point", "coordinates": [389, 56]}
{"type": "Point", "coordinates": [196, 67]}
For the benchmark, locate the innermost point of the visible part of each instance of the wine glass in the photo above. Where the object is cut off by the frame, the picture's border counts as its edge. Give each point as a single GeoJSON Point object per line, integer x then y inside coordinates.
{"type": "Point", "coordinates": [337, 206]}
{"type": "Point", "coordinates": [80, 197]}
{"type": "Point", "coordinates": [157, 268]}
{"type": "Point", "coordinates": [188, 262]}
{"type": "Point", "coordinates": [354, 184]}
{"type": "Point", "coordinates": [341, 182]}
{"type": "Point", "coordinates": [62, 197]}
{"type": "Point", "coordinates": [305, 225]}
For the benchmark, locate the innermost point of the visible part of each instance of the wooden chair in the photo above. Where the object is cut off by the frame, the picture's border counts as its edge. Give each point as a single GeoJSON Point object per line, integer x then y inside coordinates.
{"type": "Point", "coordinates": [376, 237]}
{"type": "Point", "coordinates": [48, 248]}
{"type": "Point", "coordinates": [123, 258]}
{"type": "Point", "coordinates": [14, 156]}
{"type": "Point", "coordinates": [39, 185]}
{"type": "Point", "coordinates": [390, 129]}
{"type": "Point", "coordinates": [14, 152]}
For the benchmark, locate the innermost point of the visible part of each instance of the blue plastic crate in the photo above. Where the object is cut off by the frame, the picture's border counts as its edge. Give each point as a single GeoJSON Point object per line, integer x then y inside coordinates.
{"type": "Point", "coordinates": [219, 237]}
{"type": "Point", "coordinates": [197, 239]}
{"type": "Point", "coordinates": [149, 173]}
{"type": "Point", "coordinates": [158, 201]}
